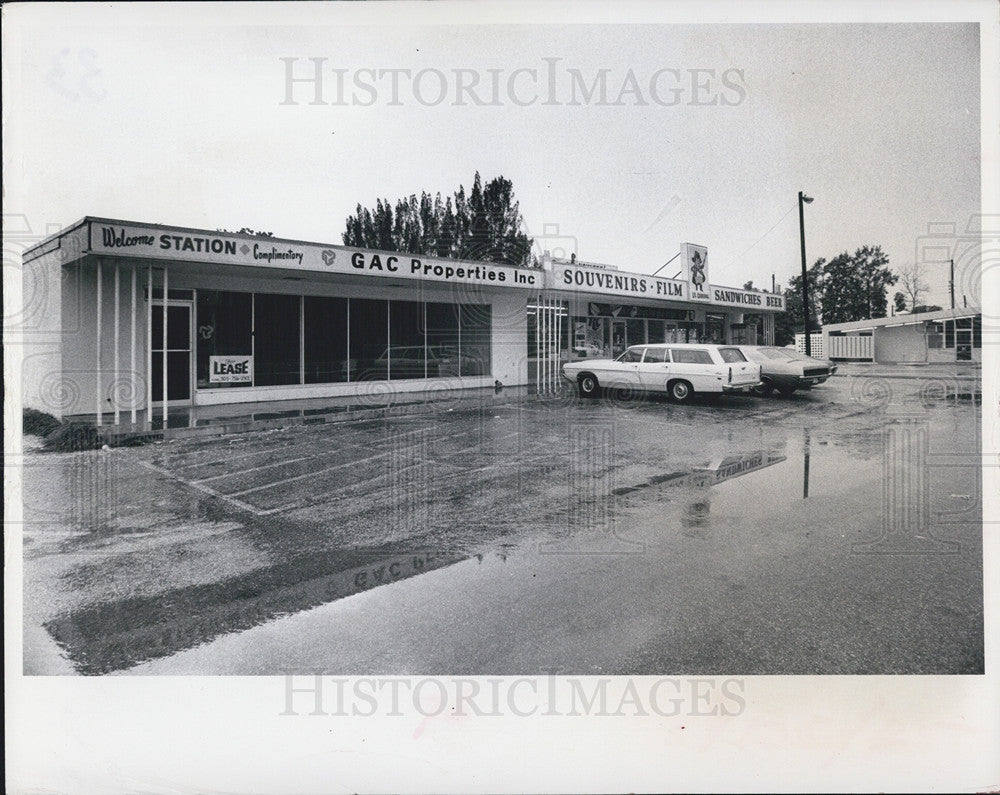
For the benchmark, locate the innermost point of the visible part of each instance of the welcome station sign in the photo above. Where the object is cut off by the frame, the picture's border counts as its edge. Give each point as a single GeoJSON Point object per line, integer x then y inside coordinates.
{"type": "Point", "coordinates": [151, 241]}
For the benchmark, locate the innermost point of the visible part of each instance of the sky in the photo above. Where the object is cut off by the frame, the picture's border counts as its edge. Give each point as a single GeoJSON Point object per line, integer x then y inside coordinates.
{"type": "Point", "coordinates": [184, 116]}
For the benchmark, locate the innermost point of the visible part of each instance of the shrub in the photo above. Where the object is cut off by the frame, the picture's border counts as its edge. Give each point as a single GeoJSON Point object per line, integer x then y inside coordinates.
{"type": "Point", "coordinates": [38, 423]}
{"type": "Point", "coordinates": [72, 436]}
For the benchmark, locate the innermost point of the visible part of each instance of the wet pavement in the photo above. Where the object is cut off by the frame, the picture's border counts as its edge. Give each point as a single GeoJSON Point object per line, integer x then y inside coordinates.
{"type": "Point", "coordinates": [839, 531]}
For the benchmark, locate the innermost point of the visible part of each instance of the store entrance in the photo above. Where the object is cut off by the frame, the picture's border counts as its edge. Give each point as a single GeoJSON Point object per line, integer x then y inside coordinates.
{"type": "Point", "coordinates": [619, 338]}
{"type": "Point", "coordinates": [178, 352]}
{"type": "Point", "coordinates": [963, 345]}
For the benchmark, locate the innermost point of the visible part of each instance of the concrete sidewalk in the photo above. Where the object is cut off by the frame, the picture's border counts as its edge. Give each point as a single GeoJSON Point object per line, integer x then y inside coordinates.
{"type": "Point", "coordinates": [225, 419]}
{"type": "Point", "coordinates": [963, 372]}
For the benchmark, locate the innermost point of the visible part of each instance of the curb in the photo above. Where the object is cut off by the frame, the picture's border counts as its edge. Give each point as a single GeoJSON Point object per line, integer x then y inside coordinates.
{"type": "Point", "coordinates": [296, 417]}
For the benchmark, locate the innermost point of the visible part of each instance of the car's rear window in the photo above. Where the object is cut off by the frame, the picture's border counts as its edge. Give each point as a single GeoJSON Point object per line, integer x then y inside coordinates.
{"type": "Point", "coordinates": [691, 356]}
{"type": "Point", "coordinates": [730, 355]}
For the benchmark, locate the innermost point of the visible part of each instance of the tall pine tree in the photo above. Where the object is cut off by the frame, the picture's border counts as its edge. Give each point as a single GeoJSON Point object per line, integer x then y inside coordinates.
{"type": "Point", "coordinates": [484, 224]}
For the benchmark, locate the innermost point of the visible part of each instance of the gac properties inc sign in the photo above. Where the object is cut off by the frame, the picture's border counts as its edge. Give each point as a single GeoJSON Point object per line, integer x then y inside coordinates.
{"type": "Point", "coordinates": [172, 243]}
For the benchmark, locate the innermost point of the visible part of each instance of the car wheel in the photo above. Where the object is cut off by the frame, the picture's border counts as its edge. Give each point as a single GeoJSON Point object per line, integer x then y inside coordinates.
{"type": "Point", "coordinates": [786, 391]}
{"type": "Point", "coordinates": [589, 388]}
{"type": "Point", "coordinates": [680, 391]}
{"type": "Point", "coordinates": [765, 389]}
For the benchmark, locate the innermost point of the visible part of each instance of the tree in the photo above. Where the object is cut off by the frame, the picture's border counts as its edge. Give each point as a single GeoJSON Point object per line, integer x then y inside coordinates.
{"type": "Point", "coordinates": [789, 323]}
{"type": "Point", "coordinates": [485, 224]}
{"type": "Point", "coordinates": [855, 285]}
{"type": "Point", "coordinates": [246, 230]}
{"type": "Point", "coordinates": [899, 302]}
{"type": "Point", "coordinates": [924, 308]}
{"type": "Point", "coordinates": [911, 279]}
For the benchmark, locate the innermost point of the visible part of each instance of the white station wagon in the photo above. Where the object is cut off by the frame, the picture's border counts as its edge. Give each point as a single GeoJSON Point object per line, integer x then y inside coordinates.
{"type": "Point", "coordinates": [678, 369]}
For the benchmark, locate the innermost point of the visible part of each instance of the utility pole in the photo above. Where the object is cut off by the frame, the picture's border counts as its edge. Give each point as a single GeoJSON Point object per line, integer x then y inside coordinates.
{"type": "Point", "coordinates": [951, 281]}
{"type": "Point", "coordinates": [805, 287]}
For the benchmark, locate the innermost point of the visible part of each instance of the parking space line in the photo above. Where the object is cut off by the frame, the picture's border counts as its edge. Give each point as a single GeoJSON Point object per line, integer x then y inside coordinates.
{"type": "Point", "coordinates": [333, 468]}
{"type": "Point", "coordinates": [333, 447]}
{"type": "Point", "coordinates": [243, 506]}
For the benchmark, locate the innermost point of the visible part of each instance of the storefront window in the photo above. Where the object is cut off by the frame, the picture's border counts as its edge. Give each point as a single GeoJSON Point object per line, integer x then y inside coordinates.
{"type": "Point", "coordinates": [977, 331]}
{"type": "Point", "coordinates": [369, 340]}
{"type": "Point", "coordinates": [715, 329]}
{"type": "Point", "coordinates": [341, 339]}
{"type": "Point", "coordinates": [656, 331]}
{"type": "Point", "coordinates": [935, 335]}
{"type": "Point", "coordinates": [949, 334]}
{"type": "Point", "coordinates": [475, 323]}
{"type": "Point", "coordinates": [224, 329]}
{"type": "Point", "coordinates": [276, 339]}
{"type": "Point", "coordinates": [325, 333]}
{"type": "Point", "coordinates": [744, 333]}
{"type": "Point", "coordinates": [406, 340]}
{"type": "Point", "coordinates": [636, 330]}
{"type": "Point", "coordinates": [442, 340]}
{"type": "Point", "coordinates": [692, 332]}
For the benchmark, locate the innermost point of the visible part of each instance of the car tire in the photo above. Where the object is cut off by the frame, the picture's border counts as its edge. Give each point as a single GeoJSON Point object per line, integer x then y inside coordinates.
{"type": "Point", "coordinates": [680, 391]}
{"type": "Point", "coordinates": [764, 390]}
{"type": "Point", "coordinates": [786, 391]}
{"type": "Point", "coordinates": [589, 387]}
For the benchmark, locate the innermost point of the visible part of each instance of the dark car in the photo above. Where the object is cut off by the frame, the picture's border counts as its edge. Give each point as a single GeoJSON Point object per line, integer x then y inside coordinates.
{"type": "Point", "coordinates": [401, 362]}
{"type": "Point", "coordinates": [786, 370]}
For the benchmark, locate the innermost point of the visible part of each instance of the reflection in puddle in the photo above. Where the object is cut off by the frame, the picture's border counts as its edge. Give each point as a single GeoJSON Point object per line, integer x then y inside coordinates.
{"type": "Point", "coordinates": [118, 635]}
{"type": "Point", "coordinates": [695, 514]}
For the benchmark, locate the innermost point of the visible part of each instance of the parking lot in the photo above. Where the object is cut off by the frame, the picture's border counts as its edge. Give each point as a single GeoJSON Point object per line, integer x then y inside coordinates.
{"type": "Point", "coordinates": [837, 531]}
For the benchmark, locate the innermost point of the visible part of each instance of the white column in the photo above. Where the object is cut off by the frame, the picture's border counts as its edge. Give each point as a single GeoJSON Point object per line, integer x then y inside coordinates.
{"type": "Point", "coordinates": [559, 324]}
{"type": "Point", "coordinates": [149, 347]}
{"type": "Point", "coordinates": [135, 391]}
{"type": "Point", "coordinates": [98, 407]}
{"type": "Point", "coordinates": [543, 354]}
{"type": "Point", "coordinates": [165, 295]}
{"type": "Point", "coordinates": [548, 345]}
{"type": "Point", "coordinates": [538, 339]}
{"type": "Point", "coordinates": [114, 381]}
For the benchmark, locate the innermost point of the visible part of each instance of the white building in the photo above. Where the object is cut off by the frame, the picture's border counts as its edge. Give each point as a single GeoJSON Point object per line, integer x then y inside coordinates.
{"type": "Point", "coordinates": [132, 311]}
{"type": "Point", "coordinates": [948, 335]}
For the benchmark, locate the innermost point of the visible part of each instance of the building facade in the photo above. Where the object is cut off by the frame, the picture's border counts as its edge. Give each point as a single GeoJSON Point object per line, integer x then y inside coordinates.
{"type": "Point", "coordinates": [947, 335]}
{"type": "Point", "coordinates": [138, 318]}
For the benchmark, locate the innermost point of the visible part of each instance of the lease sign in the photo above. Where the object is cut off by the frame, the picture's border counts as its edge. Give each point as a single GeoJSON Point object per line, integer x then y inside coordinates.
{"type": "Point", "coordinates": [230, 369]}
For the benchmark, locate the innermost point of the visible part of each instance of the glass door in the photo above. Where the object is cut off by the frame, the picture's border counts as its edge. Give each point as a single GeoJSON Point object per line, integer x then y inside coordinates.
{"type": "Point", "coordinates": [178, 352]}
{"type": "Point", "coordinates": [963, 345]}
{"type": "Point", "coordinates": [619, 342]}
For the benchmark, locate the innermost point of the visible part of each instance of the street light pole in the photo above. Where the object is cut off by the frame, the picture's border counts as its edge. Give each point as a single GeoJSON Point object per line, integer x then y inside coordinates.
{"type": "Point", "coordinates": [805, 289]}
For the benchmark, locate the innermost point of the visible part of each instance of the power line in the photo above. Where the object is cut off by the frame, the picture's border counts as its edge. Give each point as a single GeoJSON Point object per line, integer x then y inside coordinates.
{"type": "Point", "coordinates": [790, 210]}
